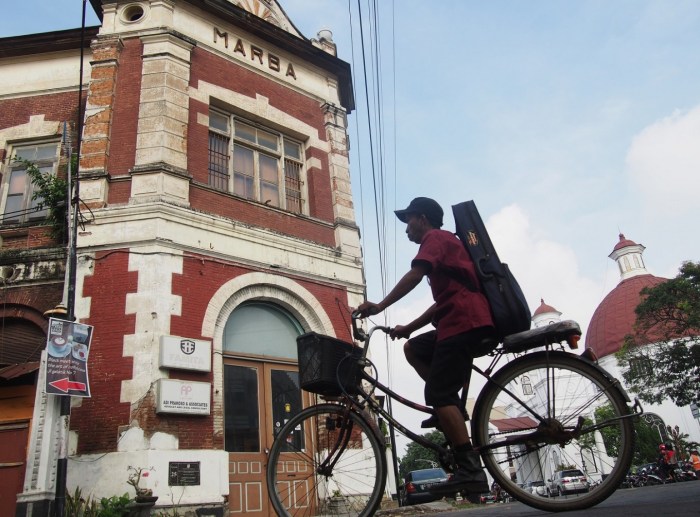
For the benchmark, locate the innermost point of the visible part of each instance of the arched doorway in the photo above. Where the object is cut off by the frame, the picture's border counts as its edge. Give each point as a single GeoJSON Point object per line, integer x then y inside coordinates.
{"type": "Point", "coordinates": [261, 391]}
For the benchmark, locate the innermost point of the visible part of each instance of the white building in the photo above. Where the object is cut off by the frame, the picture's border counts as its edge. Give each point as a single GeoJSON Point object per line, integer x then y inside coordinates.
{"type": "Point", "coordinates": [614, 319]}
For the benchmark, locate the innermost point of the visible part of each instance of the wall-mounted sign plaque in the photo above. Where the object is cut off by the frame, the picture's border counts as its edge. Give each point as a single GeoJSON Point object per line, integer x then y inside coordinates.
{"type": "Point", "coordinates": [185, 353]}
{"type": "Point", "coordinates": [184, 397]}
{"type": "Point", "coordinates": [183, 473]}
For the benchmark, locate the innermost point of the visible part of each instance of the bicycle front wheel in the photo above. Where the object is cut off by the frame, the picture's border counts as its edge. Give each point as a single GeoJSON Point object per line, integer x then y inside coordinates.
{"type": "Point", "coordinates": [326, 460]}
{"type": "Point", "coordinates": [555, 431]}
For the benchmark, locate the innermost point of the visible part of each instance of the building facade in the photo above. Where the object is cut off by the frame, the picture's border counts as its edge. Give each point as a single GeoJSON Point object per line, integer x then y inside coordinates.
{"type": "Point", "coordinates": [614, 318]}
{"type": "Point", "coordinates": [216, 225]}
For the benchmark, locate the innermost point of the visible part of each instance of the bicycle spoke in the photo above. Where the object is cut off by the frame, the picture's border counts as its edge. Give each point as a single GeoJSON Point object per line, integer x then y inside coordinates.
{"type": "Point", "coordinates": [339, 469]}
{"type": "Point", "coordinates": [579, 430]}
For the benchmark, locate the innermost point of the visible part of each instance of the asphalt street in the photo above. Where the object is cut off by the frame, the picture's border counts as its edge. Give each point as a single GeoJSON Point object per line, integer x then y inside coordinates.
{"type": "Point", "coordinates": [675, 499]}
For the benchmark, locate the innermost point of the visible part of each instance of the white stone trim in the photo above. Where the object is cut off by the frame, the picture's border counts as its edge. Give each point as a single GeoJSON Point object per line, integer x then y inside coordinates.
{"type": "Point", "coordinates": [263, 286]}
{"type": "Point", "coordinates": [256, 286]}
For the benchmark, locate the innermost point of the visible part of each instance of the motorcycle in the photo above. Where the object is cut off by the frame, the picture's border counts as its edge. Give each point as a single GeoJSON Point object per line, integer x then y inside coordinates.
{"type": "Point", "coordinates": [649, 477]}
{"type": "Point", "coordinates": [685, 472]}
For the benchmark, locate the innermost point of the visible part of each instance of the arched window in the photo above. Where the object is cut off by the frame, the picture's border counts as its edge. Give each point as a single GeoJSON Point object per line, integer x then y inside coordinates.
{"type": "Point", "coordinates": [21, 341]}
{"type": "Point", "coordinates": [262, 329]}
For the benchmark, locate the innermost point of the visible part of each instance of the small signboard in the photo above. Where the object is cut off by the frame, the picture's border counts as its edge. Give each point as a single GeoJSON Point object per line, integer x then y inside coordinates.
{"type": "Point", "coordinates": [67, 347]}
{"type": "Point", "coordinates": [183, 473]}
{"type": "Point", "coordinates": [185, 353]}
{"type": "Point", "coordinates": [694, 410]}
{"type": "Point", "coordinates": [183, 397]}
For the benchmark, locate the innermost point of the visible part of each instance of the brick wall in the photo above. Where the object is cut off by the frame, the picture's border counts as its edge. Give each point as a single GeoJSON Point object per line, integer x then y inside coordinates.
{"type": "Point", "coordinates": [58, 106]}
{"type": "Point", "coordinates": [98, 419]}
{"type": "Point", "coordinates": [211, 274]}
{"type": "Point", "coordinates": [126, 108]}
{"type": "Point", "coordinates": [213, 69]}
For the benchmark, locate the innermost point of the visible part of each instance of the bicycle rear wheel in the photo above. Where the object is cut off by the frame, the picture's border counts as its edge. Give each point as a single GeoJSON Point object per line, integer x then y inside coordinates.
{"type": "Point", "coordinates": [326, 460]}
{"type": "Point", "coordinates": [557, 438]}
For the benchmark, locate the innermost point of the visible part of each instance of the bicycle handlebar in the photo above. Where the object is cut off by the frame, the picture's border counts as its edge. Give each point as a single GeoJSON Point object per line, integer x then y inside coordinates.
{"type": "Point", "coordinates": [359, 333]}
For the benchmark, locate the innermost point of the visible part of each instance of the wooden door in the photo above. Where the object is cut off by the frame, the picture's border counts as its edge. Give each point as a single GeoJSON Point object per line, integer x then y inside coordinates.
{"type": "Point", "coordinates": [259, 397]}
{"type": "Point", "coordinates": [13, 454]}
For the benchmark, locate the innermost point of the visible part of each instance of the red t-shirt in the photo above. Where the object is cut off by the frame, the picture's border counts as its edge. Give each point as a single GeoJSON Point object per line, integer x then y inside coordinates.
{"type": "Point", "coordinates": [457, 308]}
{"type": "Point", "coordinates": [669, 457]}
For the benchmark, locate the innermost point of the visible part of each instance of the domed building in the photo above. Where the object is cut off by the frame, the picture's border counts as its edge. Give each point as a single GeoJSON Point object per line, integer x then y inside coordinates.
{"type": "Point", "coordinates": [614, 319]}
{"type": "Point", "coordinates": [544, 315]}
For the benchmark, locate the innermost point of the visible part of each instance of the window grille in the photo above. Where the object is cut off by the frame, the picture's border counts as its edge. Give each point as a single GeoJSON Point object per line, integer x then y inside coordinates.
{"type": "Point", "coordinates": [255, 162]}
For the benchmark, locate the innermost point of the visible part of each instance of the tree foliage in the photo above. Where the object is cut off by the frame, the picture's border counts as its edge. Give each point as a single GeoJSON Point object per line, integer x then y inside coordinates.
{"type": "Point", "coordinates": [609, 433]}
{"type": "Point", "coordinates": [669, 317]}
{"type": "Point", "coordinates": [50, 193]}
{"type": "Point", "coordinates": [646, 447]}
{"type": "Point", "coordinates": [418, 457]}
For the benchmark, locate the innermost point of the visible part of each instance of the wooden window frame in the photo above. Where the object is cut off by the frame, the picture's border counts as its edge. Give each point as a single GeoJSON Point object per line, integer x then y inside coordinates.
{"type": "Point", "coordinates": [291, 170]}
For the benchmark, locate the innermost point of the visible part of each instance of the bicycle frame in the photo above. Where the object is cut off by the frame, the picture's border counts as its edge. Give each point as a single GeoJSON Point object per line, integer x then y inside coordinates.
{"type": "Point", "coordinates": [548, 426]}
{"type": "Point", "coordinates": [486, 374]}
{"type": "Point", "coordinates": [497, 355]}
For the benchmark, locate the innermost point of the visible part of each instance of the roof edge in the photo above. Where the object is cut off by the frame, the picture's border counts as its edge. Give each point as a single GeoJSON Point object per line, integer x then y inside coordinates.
{"type": "Point", "coordinates": [44, 42]}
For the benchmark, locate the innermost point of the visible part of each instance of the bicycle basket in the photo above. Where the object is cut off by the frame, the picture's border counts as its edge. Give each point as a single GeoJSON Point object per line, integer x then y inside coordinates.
{"type": "Point", "coordinates": [319, 357]}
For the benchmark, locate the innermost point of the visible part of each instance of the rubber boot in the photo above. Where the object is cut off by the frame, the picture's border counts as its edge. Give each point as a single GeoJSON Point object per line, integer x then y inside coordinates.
{"type": "Point", "coordinates": [469, 478]}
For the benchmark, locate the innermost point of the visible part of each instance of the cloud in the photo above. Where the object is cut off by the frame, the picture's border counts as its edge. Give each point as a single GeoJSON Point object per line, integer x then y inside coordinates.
{"type": "Point", "coordinates": [663, 162]}
{"type": "Point", "coordinates": [544, 268]}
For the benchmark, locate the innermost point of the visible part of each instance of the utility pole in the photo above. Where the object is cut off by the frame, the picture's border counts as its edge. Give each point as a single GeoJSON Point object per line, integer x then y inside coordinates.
{"type": "Point", "coordinates": [73, 209]}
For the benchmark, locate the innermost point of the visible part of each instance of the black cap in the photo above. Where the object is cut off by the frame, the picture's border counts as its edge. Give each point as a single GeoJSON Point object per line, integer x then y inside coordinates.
{"type": "Point", "coordinates": [422, 206]}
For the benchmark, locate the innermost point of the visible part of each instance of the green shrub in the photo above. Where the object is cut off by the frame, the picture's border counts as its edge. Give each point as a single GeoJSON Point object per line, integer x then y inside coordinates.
{"type": "Point", "coordinates": [77, 506]}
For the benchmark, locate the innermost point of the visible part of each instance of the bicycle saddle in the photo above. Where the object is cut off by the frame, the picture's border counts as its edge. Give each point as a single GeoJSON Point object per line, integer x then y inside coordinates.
{"type": "Point", "coordinates": [567, 330]}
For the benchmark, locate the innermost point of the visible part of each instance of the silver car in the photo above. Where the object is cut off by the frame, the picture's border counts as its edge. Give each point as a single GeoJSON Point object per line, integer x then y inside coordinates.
{"type": "Point", "coordinates": [571, 481]}
{"type": "Point", "coordinates": [537, 488]}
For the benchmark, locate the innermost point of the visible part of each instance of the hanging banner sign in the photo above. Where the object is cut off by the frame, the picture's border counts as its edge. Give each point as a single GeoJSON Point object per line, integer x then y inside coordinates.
{"type": "Point", "coordinates": [67, 347]}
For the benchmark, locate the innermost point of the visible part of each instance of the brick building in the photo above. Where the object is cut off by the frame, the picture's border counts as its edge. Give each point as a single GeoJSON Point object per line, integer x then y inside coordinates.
{"type": "Point", "coordinates": [216, 216]}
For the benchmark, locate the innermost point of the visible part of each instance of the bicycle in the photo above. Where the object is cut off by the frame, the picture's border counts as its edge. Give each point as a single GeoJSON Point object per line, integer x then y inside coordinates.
{"type": "Point", "coordinates": [544, 410]}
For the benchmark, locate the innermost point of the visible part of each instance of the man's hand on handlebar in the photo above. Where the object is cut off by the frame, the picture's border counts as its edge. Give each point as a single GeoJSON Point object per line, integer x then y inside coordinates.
{"type": "Point", "coordinates": [400, 331]}
{"type": "Point", "coordinates": [368, 309]}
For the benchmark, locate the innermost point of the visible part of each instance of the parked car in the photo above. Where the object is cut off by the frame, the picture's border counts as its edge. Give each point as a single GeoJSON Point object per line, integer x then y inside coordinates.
{"type": "Point", "coordinates": [417, 485]}
{"type": "Point", "coordinates": [487, 498]}
{"type": "Point", "coordinates": [537, 488]}
{"type": "Point", "coordinates": [566, 482]}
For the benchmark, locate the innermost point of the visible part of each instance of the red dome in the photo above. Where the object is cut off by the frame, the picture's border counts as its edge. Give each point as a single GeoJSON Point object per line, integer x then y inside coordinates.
{"type": "Point", "coordinates": [544, 308]}
{"type": "Point", "coordinates": [615, 317]}
{"type": "Point", "coordinates": [623, 243]}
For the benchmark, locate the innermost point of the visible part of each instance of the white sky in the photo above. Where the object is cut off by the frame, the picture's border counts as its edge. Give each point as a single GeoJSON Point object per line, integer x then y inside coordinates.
{"type": "Point", "coordinates": [566, 121]}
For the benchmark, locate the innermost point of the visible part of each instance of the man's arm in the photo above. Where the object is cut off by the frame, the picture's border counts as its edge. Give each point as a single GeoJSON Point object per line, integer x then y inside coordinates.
{"type": "Point", "coordinates": [421, 321]}
{"type": "Point", "coordinates": [407, 283]}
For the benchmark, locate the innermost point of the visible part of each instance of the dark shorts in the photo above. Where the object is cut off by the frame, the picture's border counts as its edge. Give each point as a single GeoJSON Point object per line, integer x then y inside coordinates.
{"type": "Point", "coordinates": [450, 362]}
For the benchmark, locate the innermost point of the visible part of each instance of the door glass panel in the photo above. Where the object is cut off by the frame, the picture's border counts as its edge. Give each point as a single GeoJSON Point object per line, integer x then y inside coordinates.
{"type": "Point", "coordinates": [286, 402]}
{"type": "Point", "coordinates": [242, 420]}
{"type": "Point", "coordinates": [263, 330]}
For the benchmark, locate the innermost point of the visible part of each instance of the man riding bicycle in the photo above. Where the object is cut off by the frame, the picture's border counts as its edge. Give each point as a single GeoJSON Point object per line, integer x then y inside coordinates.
{"type": "Point", "coordinates": [464, 330]}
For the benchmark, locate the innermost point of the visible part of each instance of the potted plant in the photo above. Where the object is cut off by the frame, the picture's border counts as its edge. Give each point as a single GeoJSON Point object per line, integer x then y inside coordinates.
{"type": "Point", "coordinates": [338, 503]}
{"type": "Point", "coordinates": [143, 495]}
